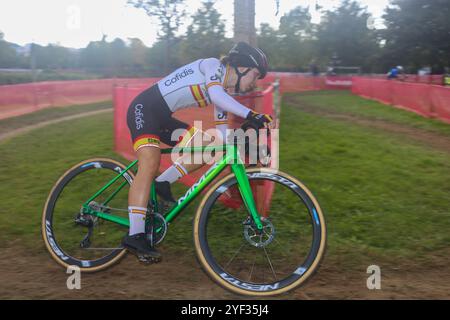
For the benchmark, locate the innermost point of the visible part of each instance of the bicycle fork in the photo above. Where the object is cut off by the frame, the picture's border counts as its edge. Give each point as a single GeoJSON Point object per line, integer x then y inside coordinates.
{"type": "Point", "coordinates": [246, 193]}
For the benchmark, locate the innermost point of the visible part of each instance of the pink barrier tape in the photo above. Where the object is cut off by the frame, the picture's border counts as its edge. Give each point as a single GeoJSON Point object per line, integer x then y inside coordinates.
{"type": "Point", "coordinates": [437, 79]}
{"type": "Point", "coordinates": [427, 100]}
{"type": "Point", "coordinates": [21, 99]}
{"type": "Point", "coordinates": [440, 99]}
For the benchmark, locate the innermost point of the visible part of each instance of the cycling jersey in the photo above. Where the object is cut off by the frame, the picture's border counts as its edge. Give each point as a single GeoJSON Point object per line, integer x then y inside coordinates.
{"type": "Point", "coordinates": [197, 84]}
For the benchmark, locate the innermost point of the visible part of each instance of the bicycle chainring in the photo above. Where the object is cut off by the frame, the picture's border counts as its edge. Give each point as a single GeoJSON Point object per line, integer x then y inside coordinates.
{"type": "Point", "coordinates": [159, 225]}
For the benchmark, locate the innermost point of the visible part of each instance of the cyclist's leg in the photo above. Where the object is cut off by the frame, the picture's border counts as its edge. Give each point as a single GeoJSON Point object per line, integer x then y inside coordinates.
{"type": "Point", "coordinates": [144, 119]}
{"type": "Point", "coordinates": [149, 158]}
{"type": "Point", "coordinates": [187, 163]}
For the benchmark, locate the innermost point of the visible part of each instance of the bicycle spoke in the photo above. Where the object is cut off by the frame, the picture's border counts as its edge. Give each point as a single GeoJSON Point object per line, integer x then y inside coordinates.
{"type": "Point", "coordinates": [270, 263]}
{"type": "Point", "coordinates": [234, 256]}
{"type": "Point", "coordinates": [251, 271]}
{"type": "Point", "coordinates": [100, 241]}
{"type": "Point", "coordinates": [267, 256]}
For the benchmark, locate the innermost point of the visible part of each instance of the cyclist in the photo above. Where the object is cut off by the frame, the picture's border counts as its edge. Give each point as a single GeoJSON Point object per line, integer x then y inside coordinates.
{"type": "Point", "coordinates": [394, 72]}
{"type": "Point", "coordinates": [149, 118]}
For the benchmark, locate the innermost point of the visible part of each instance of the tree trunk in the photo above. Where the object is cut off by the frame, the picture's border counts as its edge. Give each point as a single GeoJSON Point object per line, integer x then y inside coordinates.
{"type": "Point", "coordinates": [244, 21]}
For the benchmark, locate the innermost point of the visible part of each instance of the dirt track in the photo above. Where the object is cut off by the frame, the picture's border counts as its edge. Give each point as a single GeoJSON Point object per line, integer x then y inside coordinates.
{"type": "Point", "coordinates": [26, 129]}
{"type": "Point", "coordinates": [34, 275]}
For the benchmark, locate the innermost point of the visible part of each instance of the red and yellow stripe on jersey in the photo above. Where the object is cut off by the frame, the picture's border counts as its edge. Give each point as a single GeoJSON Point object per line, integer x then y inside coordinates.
{"type": "Point", "coordinates": [218, 123]}
{"type": "Point", "coordinates": [197, 92]}
{"type": "Point", "coordinates": [209, 85]}
{"type": "Point", "coordinates": [147, 140]}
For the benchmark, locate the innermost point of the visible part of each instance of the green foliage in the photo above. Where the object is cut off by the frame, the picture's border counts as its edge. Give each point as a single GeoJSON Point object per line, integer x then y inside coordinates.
{"type": "Point", "coordinates": [8, 55]}
{"type": "Point", "coordinates": [205, 35]}
{"type": "Point", "coordinates": [344, 34]}
{"type": "Point", "coordinates": [417, 34]}
{"type": "Point", "coordinates": [170, 14]}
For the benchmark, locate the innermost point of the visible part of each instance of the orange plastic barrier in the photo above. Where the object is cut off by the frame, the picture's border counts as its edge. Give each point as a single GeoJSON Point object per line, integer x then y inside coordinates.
{"type": "Point", "coordinates": [440, 100]}
{"type": "Point", "coordinates": [436, 79]}
{"type": "Point", "coordinates": [424, 99]}
{"type": "Point", "coordinates": [20, 99]}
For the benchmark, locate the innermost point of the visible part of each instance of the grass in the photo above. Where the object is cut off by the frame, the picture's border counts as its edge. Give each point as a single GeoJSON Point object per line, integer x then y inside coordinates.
{"type": "Point", "coordinates": [345, 102]}
{"type": "Point", "coordinates": [382, 196]}
{"type": "Point", "coordinates": [10, 124]}
{"type": "Point", "coordinates": [385, 199]}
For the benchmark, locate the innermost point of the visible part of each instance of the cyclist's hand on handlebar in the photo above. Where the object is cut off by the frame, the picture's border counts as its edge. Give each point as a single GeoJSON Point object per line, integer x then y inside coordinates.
{"type": "Point", "coordinates": [258, 120]}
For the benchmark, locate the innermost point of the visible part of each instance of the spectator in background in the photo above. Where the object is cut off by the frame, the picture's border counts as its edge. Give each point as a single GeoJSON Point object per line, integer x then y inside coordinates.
{"type": "Point", "coordinates": [330, 71]}
{"type": "Point", "coordinates": [313, 68]}
{"type": "Point", "coordinates": [447, 77]}
{"type": "Point", "coordinates": [395, 72]}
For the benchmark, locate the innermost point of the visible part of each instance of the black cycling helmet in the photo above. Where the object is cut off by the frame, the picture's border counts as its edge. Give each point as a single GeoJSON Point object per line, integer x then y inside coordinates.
{"type": "Point", "coordinates": [244, 55]}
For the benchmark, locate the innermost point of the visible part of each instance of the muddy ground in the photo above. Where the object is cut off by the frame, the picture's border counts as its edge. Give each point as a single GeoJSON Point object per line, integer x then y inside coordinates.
{"type": "Point", "coordinates": [34, 275]}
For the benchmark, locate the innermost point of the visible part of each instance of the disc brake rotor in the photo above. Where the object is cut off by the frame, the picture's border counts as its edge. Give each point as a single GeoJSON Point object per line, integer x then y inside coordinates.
{"type": "Point", "coordinates": [259, 238]}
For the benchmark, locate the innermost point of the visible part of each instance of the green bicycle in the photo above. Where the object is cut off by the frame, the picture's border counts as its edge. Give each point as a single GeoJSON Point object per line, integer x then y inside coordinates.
{"type": "Point", "coordinates": [250, 245]}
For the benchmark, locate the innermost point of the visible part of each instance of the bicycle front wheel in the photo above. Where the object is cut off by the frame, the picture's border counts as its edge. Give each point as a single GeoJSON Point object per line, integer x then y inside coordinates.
{"type": "Point", "coordinates": [248, 261]}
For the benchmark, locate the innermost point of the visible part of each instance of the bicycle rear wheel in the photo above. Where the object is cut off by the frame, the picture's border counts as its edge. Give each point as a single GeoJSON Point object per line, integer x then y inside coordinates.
{"type": "Point", "coordinates": [65, 225]}
{"type": "Point", "coordinates": [245, 261]}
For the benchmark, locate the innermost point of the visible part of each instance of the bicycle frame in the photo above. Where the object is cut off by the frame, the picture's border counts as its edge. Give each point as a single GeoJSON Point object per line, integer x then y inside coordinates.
{"type": "Point", "coordinates": [230, 158]}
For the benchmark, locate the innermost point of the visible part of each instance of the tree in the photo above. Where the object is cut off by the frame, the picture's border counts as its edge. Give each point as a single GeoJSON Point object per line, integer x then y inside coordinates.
{"type": "Point", "coordinates": [118, 56]}
{"type": "Point", "coordinates": [205, 35]}
{"type": "Point", "coordinates": [52, 56]}
{"type": "Point", "coordinates": [138, 54]}
{"type": "Point", "coordinates": [8, 56]}
{"type": "Point", "coordinates": [344, 34]}
{"type": "Point", "coordinates": [296, 34]}
{"type": "Point", "coordinates": [95, 56]}
{"type": "Point", "coordinates": [269, 42]}
{"type": "Point", "coordinates": [417, 34]}
{"type": "Point", "coordinates": [170, 14]}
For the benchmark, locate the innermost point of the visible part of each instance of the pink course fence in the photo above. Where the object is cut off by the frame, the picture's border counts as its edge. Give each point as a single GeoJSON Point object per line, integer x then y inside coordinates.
{"type": "Point", "coordinates": [428, 100]}
{"type": "Point", "coordinates": [437, 79]}
{"type": "Point", "coordinates": [21, 99]}
{"type": "Point", "coordinates": [412, 94]}
{"type": "Point", "coordinates": [16, 100]}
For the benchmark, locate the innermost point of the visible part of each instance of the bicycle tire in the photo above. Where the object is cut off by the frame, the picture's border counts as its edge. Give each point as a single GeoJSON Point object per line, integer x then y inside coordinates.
{"type": "Point", "coordinates": [218, 273]}
{"type": "Point", "coordinates": [55, 250]}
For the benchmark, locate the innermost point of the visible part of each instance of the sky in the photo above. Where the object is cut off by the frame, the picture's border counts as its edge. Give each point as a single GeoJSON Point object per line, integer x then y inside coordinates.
{"type": "Point", "coordinates": [74, 23]}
